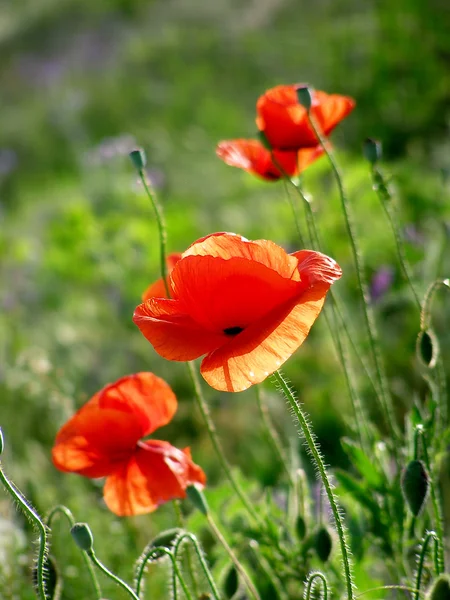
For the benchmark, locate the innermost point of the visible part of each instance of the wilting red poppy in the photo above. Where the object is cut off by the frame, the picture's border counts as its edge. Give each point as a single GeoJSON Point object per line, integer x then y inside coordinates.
{"type": "Point", "coordinates": [104, 438]}
{"type": "Point", "coordinates": [157, 288]}
{"type": "Point", "coordinates": [284, 120]}
{"type": "Point", "coordinates": [254, 158]}
{"type": "Point", "coordinates": [246, 305]}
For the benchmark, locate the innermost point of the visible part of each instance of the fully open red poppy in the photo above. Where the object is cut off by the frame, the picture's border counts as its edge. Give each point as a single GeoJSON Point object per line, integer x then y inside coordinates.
{"type": "Point", "coordinates": [104, 438]}
{"type": "Point", "coordinates": [284, 120]}
{"type": "Point", "coordinates": [246, 305]}
{"type": "Point", "coordinates": [157, 288]}
{"type": "Point", "coordinates": [254, 158]}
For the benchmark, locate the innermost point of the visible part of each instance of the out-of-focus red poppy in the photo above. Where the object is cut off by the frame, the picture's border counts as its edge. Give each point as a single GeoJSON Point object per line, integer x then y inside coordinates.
{"type": "Point", "coordinates": [246, 305]}
{"type": "Point", "coordinates": [104, 438]}
{"type": "Point", "coordinates": [284, 120]}
{"type": "Point", "coordinates": [254, 158]}
{"type": "Point", "coordinates": [157, 288]}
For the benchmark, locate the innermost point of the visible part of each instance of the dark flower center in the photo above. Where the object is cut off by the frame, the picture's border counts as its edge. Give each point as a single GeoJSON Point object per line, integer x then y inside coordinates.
{"type": "Point", "coordinates": [233, 330]}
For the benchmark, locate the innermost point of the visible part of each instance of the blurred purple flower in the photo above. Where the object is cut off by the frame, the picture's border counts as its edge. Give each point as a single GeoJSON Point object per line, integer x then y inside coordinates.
{"type": "Point", "coordinates": [381, 282]}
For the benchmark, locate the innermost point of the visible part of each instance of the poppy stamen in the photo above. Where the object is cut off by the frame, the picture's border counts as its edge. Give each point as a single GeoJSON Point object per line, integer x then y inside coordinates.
{"type": "Point", "coordinates": [233, 330]}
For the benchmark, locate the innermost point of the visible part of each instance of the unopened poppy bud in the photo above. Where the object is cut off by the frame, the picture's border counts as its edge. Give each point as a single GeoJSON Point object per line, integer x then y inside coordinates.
{"type": "Point", "coordinates": [372, 150]}
{"type": "Point", "coordinates": [2, 443]}
{"type": "Point", "coordinates": [304, 96]}
{"type": "Point", "coordinates": [415, 483]}
{"type": "Point", "coordinates": [427, 348]}
{"type": "Point", "coordinates": [300, 527]}
{"type": "Point", "coordinates": [323, 544]}
{"type": "Point", "coordinates": [264, 140]}
{"type": "Point", "coordinates": [138, 159]}
{"type": "Point", "coordinates": [440, 589]}
{"type": "Point", "coordinates": [231, 582]}
{"type": "Point", "coordinates": [166, 538]}
{"type": "Point", "coordinates": [82, 536]}
{"type": "Point", "coordinates": [51, 577]}
{"type": "Point", "coordinates": [197, 498]}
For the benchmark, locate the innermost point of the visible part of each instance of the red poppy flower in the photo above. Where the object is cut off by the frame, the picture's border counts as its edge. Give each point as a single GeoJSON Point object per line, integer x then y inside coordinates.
{"type": "Point", "coordinates": [103, 438]}
{"type": "Point", "coordinates": [254, 158]}
{"type": "Point", "coordinates": [285, 121]}
{"type": "Point", "coordinates": [246, 305]}
{"type": "Point", "coordinates": [157, 288]}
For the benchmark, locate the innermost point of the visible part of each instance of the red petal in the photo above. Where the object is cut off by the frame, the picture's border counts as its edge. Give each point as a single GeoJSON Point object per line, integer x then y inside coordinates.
{"type": "Point", "coordinates": [157, 289]}
{"type": "Point", "coordinates": [104, 432]}
{"type": "Point", "coordinates": [158, 472]}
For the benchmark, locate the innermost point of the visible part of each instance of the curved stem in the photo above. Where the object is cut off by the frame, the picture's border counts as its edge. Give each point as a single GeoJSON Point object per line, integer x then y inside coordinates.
{"type": "Point", "coordinates": [430, 535]}
{"type": "Point", "coordinates": [204, 409]}
{"type": "Point", "coordinates": [111, 575]}
{"type": "Point", "coordinates": [161, 228]}
{"type": "Point", "coordinates": [248, 582]}
{"type": "Point", "coordinates": [190, 566]}
{"type": "Point", "coordinates": [201, 559]}
{"type": "Point", "coordinates": [272, 434]}
{"type": "Point", "coordinates": [310, 581]}
{"type": "Point", "coordinates": [425, 315]}
{"type": "Point", "coordinates": [63, 510]}
{"type": "Point", "coordinates": [176, 570]}
{"type": "Point", "coordinates": [315, 453]}
{"type": "Point", "coordinates": [386, 400]}
{"type": "Point", "coordinates": [33, 516]}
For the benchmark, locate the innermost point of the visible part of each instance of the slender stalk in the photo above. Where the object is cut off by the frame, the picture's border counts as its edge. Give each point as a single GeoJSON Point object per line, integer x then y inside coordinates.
{"type": "Point", "coordinates": [161, 227]}
{"type": "Point", "coordinates": [204, 409]}
{"type": "Point", "coordinates": [386, 400]}
{"type": "Point", "coordinates": [430, 535]}
{"type": "Point", "coordinates": [243, 573]}
{"type": "Point", "coordinates": [272, 434]}
{"type": "Point", "coordinates": [315, 453]}
{"type": "Point", "coordinates": [294, 213]}
{"type": "Point", "coordinates": [190, 566]}
{"type": "Point", "coordinates": [157, 550]}
{"type": "Point", "coordinates": [310, 582]}
{"type": "Point", "coordinates": [64, 511]}
{"type": "Point", "coordinates": [33, 516]}
{"type": "Point", "coordinates": [111, 575]}
{"type": "Point", "coordinates": [201, 559]}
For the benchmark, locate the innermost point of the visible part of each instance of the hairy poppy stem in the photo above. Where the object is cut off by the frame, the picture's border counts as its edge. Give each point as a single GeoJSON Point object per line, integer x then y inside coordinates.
{"type": "Point", "coordinates": [385, 396]}
{"type": "Point", "coordinates": [248, 582]}
{"type": "Point", "coordinates": [34, 517]}
{"type": "Point", "coordinates": [111, 575]}
{"type": "Point", "coordinates": [190, 567]}
{"type": "Point", "coordinates": [157, 551]}
{"type": "Point", "coordinates": [430, 535]}
{"type": "Point", "coordinates": [310, 581]}
{"type": "Point", "coordinates": [315, 453]}
{"type": "Point", "coordinates": [272, 434]}
{"type": "Point", "coordinates": [64, 511]}
{"type": "Point", "coordinates": [161, 227]}
{"type": "Point", "coordinates": [204, 409]}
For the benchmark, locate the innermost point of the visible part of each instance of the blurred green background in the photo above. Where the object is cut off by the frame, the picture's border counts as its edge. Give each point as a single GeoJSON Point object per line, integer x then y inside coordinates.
{"type": "Point", "coordinates": [81, 84]}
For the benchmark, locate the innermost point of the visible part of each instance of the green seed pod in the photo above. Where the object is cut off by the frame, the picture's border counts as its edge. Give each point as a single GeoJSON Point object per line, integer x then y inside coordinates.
{"type": "Point", "coordinates": [372, 150]}
{"type": "Point", "coordinates": [427, 348]}
{"type": "Point", "coordinates": [166, 538]}
{"type": "Point", "coordinates": [323, 544]}
{"type": "Point", "coordinates": [138, 159]}
{"type": "Point", "coordinates": [51, 578]}
{"type": "Point", "coordinates": [415, 484]}
{"type": "Point", "coordinates": [300, 527]}
{"type": "Point", "coordinates": [231, 582]}
{"type": "Point", "coordinates": [304, 96]}
{"type": "Point", "coordinates": [82, 536]}
{"type": "Point", "coordinates": [197, 498]}
{"type": "Point", "coordinates": [440, 589]}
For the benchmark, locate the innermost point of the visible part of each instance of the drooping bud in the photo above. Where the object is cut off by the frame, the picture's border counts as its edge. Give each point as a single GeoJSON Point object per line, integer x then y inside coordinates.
{"type": "Point", "coordinates": [51, 578]}
{"type": "Point", "coordinates": [304, 96]}
{"type": "Point", "coordinates": [427, 348]}
{"type": "Point", "coordinates": [138, 159]}
{"type": "Point", "coordinates": [197, 498]}
{"type": "Point", "coordinates": [415, 484]}
{"type": "Point", "coordinates": [323, 544]}
{"type": "Point", "coordinates": [231, 582]}
{"type": "Point", "coordinates": [82, 536]}
{"type": "Point", "coordinates": [440, 589]}
{"type": "Point", "coordinates": [372, 150]}
{"type": "Point", "coordinates": [166, 538]}
{"type": "Point", "coordinates": [300, 527]}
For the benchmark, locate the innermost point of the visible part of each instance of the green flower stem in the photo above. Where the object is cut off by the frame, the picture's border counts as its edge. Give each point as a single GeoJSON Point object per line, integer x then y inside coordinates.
{"type": "Point", "coordinates": [382, 190]}
{"type": "Point", "coordinates": [111, 575]}
{"type": "Point", "coordinates": [437, 509]}
{"type": "Point", "coordinates": [311, 581]}
{"type": "Point", "coordinates": [293, 208]}
{"type": "Point", "coordinates": [190, 566]}
{"type": "Point", "coordinates": [243, 573]}
{"type": "Point", "coordinates": [201, 559]}
{"type": "Point", "coordinates": [425, 315]}
{"type": "Point", "coordinates": [386, 400]}
{"type": "Point", "coordinates": [161, 227]}
{"type": "Point", "coordinates": [64, 511]}
{"type": "Point", "coordinates": [430, 535]}
{"type": "Point", "coordinates": [204, 409]}
{"type": "Point", "coordinates": [33, 516]}
{"type": "Point", "coordinates": [156, 550]}
{"type": "Point", "coordinates": [272, 434]}
{"type": "Point", "coordinates": [314, 451]}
